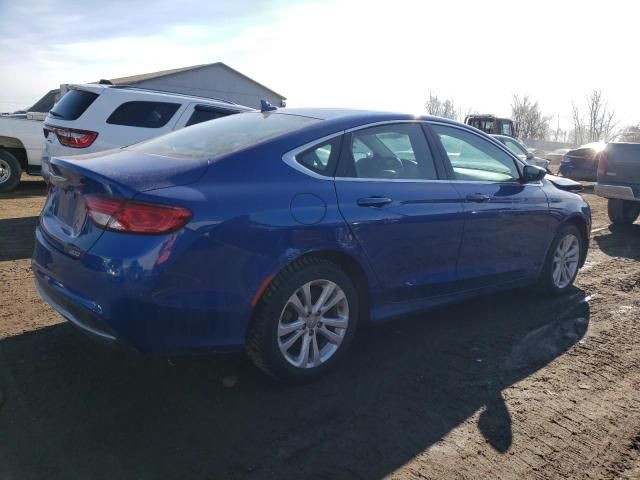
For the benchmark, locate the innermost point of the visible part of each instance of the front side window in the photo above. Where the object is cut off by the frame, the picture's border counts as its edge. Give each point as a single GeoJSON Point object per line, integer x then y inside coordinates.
{"type": "Point", "coordinates": [395, 151]}
{"type": "Point", "coordinates": [143, 114]}
{"type": "Point", "coordinates": [473, 158]}
{"type": "Point", "coordinates": [506, 129]}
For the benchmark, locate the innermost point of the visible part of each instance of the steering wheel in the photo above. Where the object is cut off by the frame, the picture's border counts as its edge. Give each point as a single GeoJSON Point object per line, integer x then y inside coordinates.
{"type": "Point", "coordinates": [393, 165]}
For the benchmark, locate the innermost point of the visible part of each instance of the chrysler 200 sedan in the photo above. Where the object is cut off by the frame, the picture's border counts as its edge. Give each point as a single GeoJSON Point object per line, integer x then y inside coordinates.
{"type": "Point", "coordinates": [278, 232]}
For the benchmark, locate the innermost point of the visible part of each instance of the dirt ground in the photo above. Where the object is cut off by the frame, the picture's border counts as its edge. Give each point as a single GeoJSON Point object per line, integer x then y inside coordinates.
{"type": "Point", "coordinates": [509, 386]}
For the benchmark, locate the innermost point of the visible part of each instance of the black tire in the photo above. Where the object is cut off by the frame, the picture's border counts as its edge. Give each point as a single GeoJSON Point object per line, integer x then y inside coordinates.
{"type": "Point", "coordinates": [546, 284]}
{"type": "Point", "coordinates": [623, 212]}
{"type": "Point", "coordinates": [10, 163]}
{"type": "Point", "coordinates": [262, 340]}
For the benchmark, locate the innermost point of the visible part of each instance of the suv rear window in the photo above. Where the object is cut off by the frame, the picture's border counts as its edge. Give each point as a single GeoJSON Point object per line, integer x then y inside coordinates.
{"type": "Point", "coordinates": [73, 104]}
{"type": "Point", "coordinates": [225, 135]}
{"type": "Point", "coordinates": [143, 114]}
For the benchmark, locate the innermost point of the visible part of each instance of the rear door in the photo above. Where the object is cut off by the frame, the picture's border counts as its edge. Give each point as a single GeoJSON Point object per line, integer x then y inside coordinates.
{"type": "Point", "coordinates": [405, 215]}
{"type": "Point", "coordinates": [506, 221]}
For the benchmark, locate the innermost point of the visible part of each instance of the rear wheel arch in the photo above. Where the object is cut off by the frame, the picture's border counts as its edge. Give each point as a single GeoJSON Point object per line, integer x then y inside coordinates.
{"type": "Point", "coordinates": [346, 262]}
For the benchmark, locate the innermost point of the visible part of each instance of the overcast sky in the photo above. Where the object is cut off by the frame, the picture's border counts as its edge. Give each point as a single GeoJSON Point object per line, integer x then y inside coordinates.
{"type": "Point", "coordinates": [346, 53]}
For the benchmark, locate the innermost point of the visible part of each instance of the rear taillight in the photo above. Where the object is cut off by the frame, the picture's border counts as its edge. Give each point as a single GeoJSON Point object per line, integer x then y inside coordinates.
{"type": "Point", "coordinates": [602, 163]}
{"type": "Point", "coordinates": [72, 137]}
{"type": "Point", "coordinates": [121, 215]}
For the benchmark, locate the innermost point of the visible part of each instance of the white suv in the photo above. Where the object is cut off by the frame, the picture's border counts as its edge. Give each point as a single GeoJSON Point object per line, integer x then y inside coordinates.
{"type": "Point", "coordinates": [95, 117]}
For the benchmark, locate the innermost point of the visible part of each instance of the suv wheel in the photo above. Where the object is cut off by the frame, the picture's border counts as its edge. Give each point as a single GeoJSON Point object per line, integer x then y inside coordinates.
{"type": "Point", "coordinates": [623, 212]}
{"type": "Point", "coordinates": [10, 171]}
{"type": "Point", "coordinates": [304, 322]}
{"type": "Point", "coordinates": [562, 262]}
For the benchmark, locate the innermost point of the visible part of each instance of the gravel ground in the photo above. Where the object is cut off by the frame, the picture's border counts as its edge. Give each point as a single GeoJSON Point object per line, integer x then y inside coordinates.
{"type": "Point", "coordinates": [508, 386]}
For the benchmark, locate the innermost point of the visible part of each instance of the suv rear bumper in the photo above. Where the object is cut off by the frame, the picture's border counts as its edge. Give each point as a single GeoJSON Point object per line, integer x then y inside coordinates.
{"type": "Point", "coordinates": [615, 191]}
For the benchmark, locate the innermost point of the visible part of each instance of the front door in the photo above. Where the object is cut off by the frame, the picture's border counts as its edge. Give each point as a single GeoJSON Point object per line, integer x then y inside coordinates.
{"type": "Point", "coordinates": [506, 221]}
{"type": "Point", "coordinates": [406, 217]}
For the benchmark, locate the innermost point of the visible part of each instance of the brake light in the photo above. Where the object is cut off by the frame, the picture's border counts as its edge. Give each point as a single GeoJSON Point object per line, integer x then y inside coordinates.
{"type": "Point", "coordinates": [602, 163]}
{"type": "Point", "coordinates": [121, 215]}
{"type": "Point", "coordinates": [72, 137]}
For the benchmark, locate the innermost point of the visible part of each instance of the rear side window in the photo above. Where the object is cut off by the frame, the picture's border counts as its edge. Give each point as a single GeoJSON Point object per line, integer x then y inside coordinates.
{"type": "Point", "coordinates": [73, 104]}
{"type": "Point", "coordinates": [204, 114]}
{"type": "Point", "coordinates": [321, 158]}
{"type": "Point", "coordinates": [143, 114]}
{"type": "Point", "coordinates": [226, 135]}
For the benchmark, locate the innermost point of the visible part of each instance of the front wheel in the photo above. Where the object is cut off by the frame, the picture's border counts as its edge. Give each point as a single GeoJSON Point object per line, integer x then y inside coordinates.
{"type": "Point", "coordinates": [622, 212]}
{"type": "Point", "coordinates": [304, 321]}
{"type": "Point", "coordinates": [562, 262]}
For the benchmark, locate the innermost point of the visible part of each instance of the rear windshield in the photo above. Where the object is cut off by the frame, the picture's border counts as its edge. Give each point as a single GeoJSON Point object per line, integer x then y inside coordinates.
{"type": "Point", "coordinates": [73, 104]}
{"type": "Point", "coordinates": [224, 136]}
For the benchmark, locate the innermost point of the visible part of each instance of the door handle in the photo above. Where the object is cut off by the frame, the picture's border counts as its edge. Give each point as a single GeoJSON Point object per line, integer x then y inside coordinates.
{"type": "Point", "coordinates": [374, 201]}
{"type": "Point", "coordinates": [477, 197]}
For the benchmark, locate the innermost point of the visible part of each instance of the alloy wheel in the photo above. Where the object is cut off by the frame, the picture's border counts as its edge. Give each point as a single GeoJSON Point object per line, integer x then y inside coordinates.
{"type": "Point", "coordinates": [313, 323]}
{"type": "Point", "coordinates": [5, 171]}
{"type": "Point", "coordinates": [565, 261]}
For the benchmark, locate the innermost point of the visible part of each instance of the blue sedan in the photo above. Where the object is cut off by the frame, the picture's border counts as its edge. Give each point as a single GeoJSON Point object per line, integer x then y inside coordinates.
{"type": "Point", "coordinates": [279, 232]}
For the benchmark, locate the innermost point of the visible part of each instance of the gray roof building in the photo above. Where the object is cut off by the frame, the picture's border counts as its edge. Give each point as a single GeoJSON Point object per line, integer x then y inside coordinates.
{"type": "Point", "coordinates": [212, 80]}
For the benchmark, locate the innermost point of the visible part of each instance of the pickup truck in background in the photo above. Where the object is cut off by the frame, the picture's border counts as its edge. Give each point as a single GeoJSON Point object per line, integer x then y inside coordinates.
{"type": "Point", "coordinates": [619, 181]}
{"type": "Point", "coordinates": [21, 146]}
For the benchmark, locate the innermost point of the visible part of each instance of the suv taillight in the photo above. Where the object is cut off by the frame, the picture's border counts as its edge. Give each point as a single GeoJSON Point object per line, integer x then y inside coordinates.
{"type": "Point", "coordinates": [72, 137]}
{"type": "Point", "coordinates": [120, 215]}
{"type": "Point", "coordinates": [602, 163]}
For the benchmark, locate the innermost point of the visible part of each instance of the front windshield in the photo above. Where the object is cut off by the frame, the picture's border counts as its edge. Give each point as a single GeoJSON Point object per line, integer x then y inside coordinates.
{"type": "Point", "coordinates": [219, 137]}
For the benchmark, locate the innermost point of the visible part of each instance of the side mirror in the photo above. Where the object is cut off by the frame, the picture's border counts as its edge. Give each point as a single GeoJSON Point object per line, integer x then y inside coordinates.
{"type": "Point", "coordinates": [531, 173]}
{"type": "Point", "coordinates": [530, 156]}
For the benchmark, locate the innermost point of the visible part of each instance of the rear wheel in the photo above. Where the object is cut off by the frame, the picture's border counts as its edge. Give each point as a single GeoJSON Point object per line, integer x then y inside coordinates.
{"type": "Point", "coordinates": [10, 171]}
{"type": "Point", "coordinates": [304, 322]}
{"type": "Point", "coordinates": [562, 262]}
{"type": "Point", "coordinates": [623, 212]}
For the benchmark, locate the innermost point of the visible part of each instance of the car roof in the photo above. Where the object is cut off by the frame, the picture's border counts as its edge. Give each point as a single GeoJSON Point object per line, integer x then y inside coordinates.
{"type": "Point", "coordinates": [359, 116]}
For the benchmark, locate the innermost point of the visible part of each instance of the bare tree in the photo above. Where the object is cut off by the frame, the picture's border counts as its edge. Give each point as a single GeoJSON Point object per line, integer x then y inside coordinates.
{"type": "Point", "coordinates": [578, 132]}
{"type": "Point", "coordinates": [631, 133]}
{"type": "Point", "coordinates": [529, 121]}
{"type": "Point", "coordinates": [600, 122]}
{"type": "Point", "coordinates": [442, 108]}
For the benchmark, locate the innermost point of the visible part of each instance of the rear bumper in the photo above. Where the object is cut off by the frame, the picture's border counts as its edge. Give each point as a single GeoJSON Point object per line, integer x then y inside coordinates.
{"type": "Point", "coordinates": [87, 321]}
{"type": "Point", "coordinates": [138, 301]}
{"type": "Point", "coordinates": [615, 191]}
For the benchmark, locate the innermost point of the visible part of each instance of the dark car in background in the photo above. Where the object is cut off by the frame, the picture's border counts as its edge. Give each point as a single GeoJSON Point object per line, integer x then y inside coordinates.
{"type": "Point", "coordinates": [582, 162]}
{"type": "Point", "coordinates": [280, 232]}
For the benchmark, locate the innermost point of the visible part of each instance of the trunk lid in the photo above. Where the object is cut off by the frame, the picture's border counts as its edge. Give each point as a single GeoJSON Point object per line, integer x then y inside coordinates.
{"type": "Point", "coordinates": [64, 219]}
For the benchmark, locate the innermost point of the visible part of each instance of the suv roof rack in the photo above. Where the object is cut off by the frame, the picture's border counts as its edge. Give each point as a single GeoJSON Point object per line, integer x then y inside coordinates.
{"type": "Point", "coordinates": [126, 87]}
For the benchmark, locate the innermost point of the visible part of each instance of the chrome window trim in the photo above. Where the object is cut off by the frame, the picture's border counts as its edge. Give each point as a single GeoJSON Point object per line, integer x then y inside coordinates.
{"type": "Point", "coordinates": [290, 157]}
